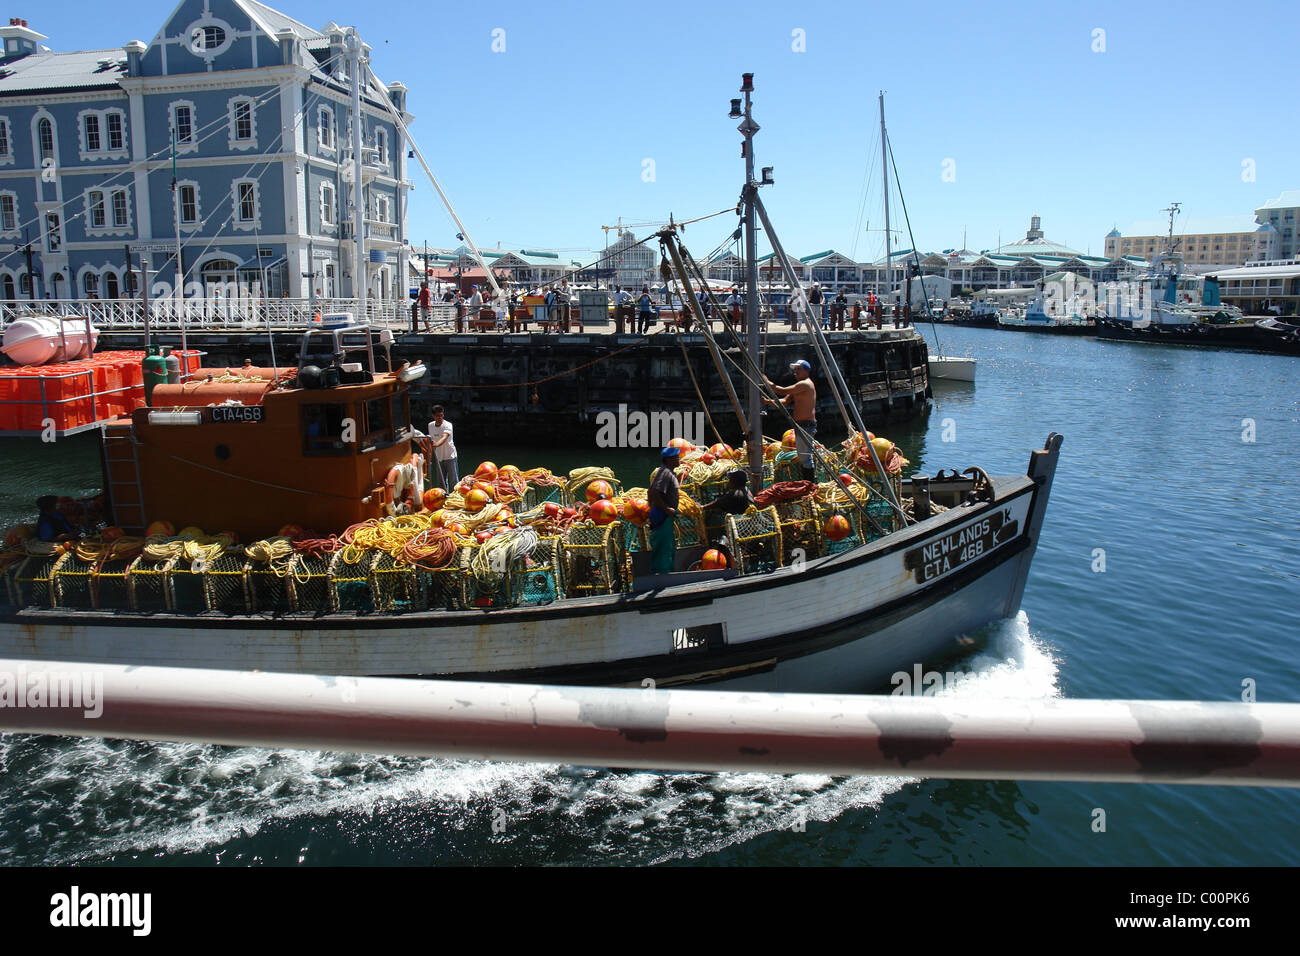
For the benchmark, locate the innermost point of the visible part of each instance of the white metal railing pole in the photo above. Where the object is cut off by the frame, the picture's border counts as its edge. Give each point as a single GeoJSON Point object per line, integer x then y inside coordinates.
{"type": "Point", "coordinates": [1083, 740]}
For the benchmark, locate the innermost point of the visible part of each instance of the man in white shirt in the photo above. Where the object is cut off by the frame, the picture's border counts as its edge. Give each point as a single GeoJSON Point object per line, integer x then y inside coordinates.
{"type": "Point", "coordinates": [444, 449]}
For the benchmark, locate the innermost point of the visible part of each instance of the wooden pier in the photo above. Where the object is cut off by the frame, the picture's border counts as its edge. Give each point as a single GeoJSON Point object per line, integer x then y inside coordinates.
{"type": "Point", "coordinates": [553, 387]}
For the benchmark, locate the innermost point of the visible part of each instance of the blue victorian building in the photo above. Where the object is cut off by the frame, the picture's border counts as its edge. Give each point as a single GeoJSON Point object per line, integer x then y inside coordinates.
{"type": "Point", "coordinates": [253, 112]}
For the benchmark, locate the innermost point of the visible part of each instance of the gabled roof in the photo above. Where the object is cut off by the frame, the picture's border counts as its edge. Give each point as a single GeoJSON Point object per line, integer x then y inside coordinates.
{"type": "Point", "coordinates": [1290, 198]}
{"type": "Point", "coordinates": [273, 21]}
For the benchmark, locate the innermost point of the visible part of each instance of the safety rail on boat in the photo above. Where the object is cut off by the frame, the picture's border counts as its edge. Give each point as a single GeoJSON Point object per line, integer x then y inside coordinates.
{"type": "Point", "coordinates": [1126, 741]}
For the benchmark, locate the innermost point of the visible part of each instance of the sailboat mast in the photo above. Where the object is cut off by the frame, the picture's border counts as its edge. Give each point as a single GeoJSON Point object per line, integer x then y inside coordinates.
{"type": "Point", "coordinates": [884, 170]}
{"type": "Point", "coordinates": [753, 398]}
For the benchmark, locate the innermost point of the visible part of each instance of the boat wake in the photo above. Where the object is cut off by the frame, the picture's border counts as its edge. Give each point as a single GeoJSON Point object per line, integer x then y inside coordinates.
{"type": "Point", "coordinates": [74, 800]}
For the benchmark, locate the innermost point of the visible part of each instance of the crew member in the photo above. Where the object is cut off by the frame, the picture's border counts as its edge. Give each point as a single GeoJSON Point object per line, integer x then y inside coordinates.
{"type": "Point", "coordinates": [736, 500]}
{"type": "Point", "coordinates": [51, 525]}
{"type": "Point", "coordinates": [443, 448]}
{"type": "Point", "coordinates": [801, 398]}
{"type": "Point", "coordinates": [663, 495]}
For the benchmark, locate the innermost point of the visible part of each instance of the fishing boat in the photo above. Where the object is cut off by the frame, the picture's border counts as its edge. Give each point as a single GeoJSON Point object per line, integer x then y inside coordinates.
{"type": "Point", "coordinates": [518, 575]}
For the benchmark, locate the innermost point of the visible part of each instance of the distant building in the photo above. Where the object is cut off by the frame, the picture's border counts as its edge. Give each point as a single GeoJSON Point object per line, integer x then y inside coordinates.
{"type": "Point", "coordinates": [634, 265]}
{"type": "Point", "coordinates": [259, 108]}
{"type": "Point", "coordinates": [1283, 214]}
{"type": "Point", "coordinates": [1206, 243]}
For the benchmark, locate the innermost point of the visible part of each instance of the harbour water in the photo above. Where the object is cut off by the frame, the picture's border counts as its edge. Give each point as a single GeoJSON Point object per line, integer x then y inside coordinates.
{"type": "Point", "coordinates": [1168, 568]}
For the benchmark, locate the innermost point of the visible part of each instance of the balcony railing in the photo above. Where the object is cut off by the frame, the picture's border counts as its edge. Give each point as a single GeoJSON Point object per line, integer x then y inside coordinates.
{"type": "Point", "coordinates": [216, 313]}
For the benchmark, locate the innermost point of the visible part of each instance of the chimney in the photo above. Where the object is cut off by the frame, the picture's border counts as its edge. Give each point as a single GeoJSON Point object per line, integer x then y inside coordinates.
{"type": "Point", "coordinates": [134, 51]}
{"type": "Point", "coordinates": [18, 39]}
{"type": "Point", "coordinates": [288, 46]}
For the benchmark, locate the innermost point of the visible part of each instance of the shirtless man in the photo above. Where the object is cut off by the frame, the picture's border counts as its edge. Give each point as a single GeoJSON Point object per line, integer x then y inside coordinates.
{"type": "Point", "coordinates": [801, 398]}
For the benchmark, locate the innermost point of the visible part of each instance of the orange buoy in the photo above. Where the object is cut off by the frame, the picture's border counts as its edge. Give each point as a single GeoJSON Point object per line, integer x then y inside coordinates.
{"type": "Point", "coordinates": [599, 489]}
{"type": "Point", "coordinates": [681, 443]}
{"type": "Point", "coordinates": [788, 439]}
{"type": "Point", "coordinates": [434, 497]}
{"type": "Point", "coordinates": [476, 500]}
{"type": "Point", "coordinates": [636, 510]}
{"type": "Point", "coordinates": [722, 450]}
{"type": "Point", "coordinates": [164, 528]}
{"type": "Point", "coordinates": [486, 471]}
{"type": "Point", "coordinates": [487, 489]}
{"type": "Point", "coordinates": [603, 511]}
{"type": "Point", "coordinates": [18, 534]}
{"type": "Point", "coordinates": [838, 527]}
{"type": "Point", "coordinates": [713, 560]}
{"type": "Point", "coordinates": [291, 531]}
{"type": "Point", "coordinates": [111, 533]}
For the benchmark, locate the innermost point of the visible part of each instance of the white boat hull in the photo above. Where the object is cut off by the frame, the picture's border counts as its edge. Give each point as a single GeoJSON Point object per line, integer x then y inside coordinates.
{"type": "Point", "coordinates": [953, 368]}
{"type": "Point", "coordinates": [839, 623]}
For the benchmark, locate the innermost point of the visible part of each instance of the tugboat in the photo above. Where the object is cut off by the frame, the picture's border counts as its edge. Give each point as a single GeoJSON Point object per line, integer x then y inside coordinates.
{"type": "Point", "coordinates": [827, 585]}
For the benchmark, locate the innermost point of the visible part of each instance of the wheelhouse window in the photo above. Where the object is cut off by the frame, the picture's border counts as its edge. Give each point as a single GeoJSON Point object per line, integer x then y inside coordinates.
{"type": "Point", "coordinates": [379, 422]}
{"type": "Point", "coordinates": [323, 427]}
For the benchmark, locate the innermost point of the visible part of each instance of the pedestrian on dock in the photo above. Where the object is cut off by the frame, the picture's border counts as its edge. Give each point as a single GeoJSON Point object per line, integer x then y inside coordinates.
{"type": "Point", "coordinates": [622, 308]}
{"type": "Point", "coordinates": [663, 495]}
{"type": "Point", "coordinates": [562, 305]}
{"type": "Point", "coordinates": [423, 301]}
{"type": "Point", "coordinates": [461, 309]}
{"type": "Point", "coordinates": [815, 300]}
{"type": "Point", "coordinates": [443, 446]}
{"type": "Point", "coordinates": [646, 311]}
{"type": "Point", "coordinates": [801, 399]}
{"type": "Point", "coordinates": [841, 306]}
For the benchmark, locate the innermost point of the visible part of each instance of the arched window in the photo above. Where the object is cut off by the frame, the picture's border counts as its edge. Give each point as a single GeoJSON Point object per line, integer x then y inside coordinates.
{"type": "Point", "coordinates": [7, 287]}
{"type": "Point", "coordinates": [90, 285]}
{"type": "Point", "coordinates": [110, 285]}
{"type": "Point", "coordinates": [45, 132]}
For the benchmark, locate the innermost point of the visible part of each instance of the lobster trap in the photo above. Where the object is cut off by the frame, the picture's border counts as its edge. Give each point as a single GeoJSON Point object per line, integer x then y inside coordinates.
{"type": "Point", "coordinates": [31, 582]}
{"type": "Point", "coordinates": [595, 560]}
{"type": "Point", "coordinates": [397, 585]}
{"type": "Point", "coordinates": [755, 541]}
{"type": "Point", "coordinates": [91, 584]}
{"type": "Point", "coordinates": [538, 577]}
{"type": "Point", "coordinates": [267, 586]}
{"type": "Point", "coordinates": [578, 490]}
{"type": "Point", "coordinates": [309, 583]}
{"type": "Point", "coordinates": [801, 529]}
{"type": "Point", "coordinates": [350, 580]}
{"type": "Point", "coordinates": [535, 495]}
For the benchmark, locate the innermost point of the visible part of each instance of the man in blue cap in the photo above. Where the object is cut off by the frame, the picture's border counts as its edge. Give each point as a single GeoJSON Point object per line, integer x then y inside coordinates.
{"type": "Point", "coordinates": [663, 495]}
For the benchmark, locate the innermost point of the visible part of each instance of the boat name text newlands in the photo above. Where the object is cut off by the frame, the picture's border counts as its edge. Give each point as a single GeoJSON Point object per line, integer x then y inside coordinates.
{"type": "Point", "coordinates": [960, 546]}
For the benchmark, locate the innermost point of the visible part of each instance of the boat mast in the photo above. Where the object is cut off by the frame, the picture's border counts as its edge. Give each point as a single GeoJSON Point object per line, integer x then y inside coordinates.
{"type": "Point", "coordinates": [884, 170]}
{"type": "Point", "coordinates": [1169, 242]}
{"type": "Point", "coordinates": [753, 398]}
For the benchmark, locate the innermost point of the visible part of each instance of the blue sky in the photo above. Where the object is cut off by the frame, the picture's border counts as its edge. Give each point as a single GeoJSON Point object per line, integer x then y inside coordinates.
{"type": "Point", "coordinates": [540, 145]}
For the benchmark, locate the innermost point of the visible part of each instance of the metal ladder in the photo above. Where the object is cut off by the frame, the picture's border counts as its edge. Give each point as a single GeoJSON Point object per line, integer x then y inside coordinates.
{"type": "Point", "coordinates": [125, 492]}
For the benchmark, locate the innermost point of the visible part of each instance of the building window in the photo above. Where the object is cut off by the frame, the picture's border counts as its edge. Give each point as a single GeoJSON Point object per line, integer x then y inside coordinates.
{"type": "Point", "coordinates": [325, 127]}
{"type": "Point", "coordinates": [245, 200]}
{"type": "Point", "coordinates": [182, 116]}
{"type": "Point", "coordinates": [381, 145]}
{"type": "Point", "coordinates": [53, 237]}
{"type": "Point", "coordinates": [121, 215]}
{"type": "Point", "coordinates": [243, 123]}
{"type": "Point", "coordinates": [92, 133]}
{"type": "Point", "coordinates": [45, 134]}
{"type": "Point", "coordinates": [188, 197]}
{"type": "Point", "coordinates": [5, 152]}
{"type": "Point", "coordinates": [90, 285]}
{"type": "Point", "coordinates": [8, 213]}
{"type": "Point", "coordinates": [381, 208]}
{"type": "Point", "coordinates": [95, 207]}
{"type": "Point", "coordinates": [327, 204]}
{"type": "Point", "coordinates": [116, 140]}
{"type": "Point", "coordinates": [209, 37]}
